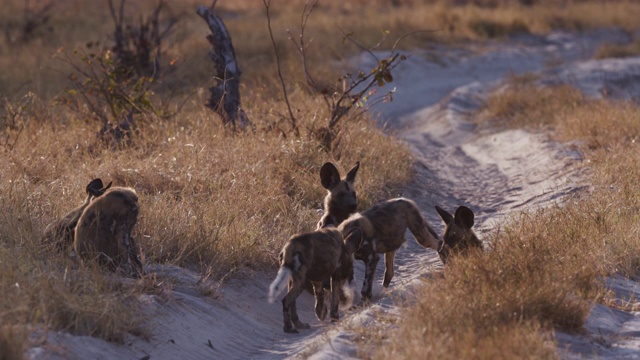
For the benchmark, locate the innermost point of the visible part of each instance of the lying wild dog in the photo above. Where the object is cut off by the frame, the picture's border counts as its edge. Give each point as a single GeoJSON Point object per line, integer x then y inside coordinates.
{"type": "Point", "coordinates": [314, 256]}
{"type": "Point", "coordinates": [104, 230]}
{"type": "Point", "coordinates": [340, 201]}
{"type": "Point", "coordinates": [384, 226]}
{"type": "Point", "coordinates": [458, 236]}
{"type": "Point", "coordinates": [61, 232]}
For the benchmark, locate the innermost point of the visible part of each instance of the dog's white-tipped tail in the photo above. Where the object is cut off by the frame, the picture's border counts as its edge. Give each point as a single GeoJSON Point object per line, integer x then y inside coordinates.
{"type": "Point", "coordinates": [281, 281]}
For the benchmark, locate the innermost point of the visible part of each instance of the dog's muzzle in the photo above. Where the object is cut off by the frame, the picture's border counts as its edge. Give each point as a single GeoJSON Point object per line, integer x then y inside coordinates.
{"type": "Point", "coordinates": [443, 251]}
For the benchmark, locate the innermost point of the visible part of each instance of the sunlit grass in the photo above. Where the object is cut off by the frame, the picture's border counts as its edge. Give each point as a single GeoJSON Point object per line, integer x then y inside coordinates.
{"type": "Point", "coordinates": [544, 269]}
{"type": "Point", "coordinates": [618, 50]}
{"type": "Point", "coordinates": [74, 23]}
{"type": "Point", "coordinates": [211, 200]}
{"type": "Point", "coordinates": [214, 201]}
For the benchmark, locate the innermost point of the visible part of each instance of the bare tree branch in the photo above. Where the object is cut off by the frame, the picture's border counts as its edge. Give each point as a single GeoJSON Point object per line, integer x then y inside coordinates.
{"type": "Point", "coordinates": [294, 121]}
{"type": "Point", "coordinates": [368, 50]}
{"type": "Point", "coordinates": [309, 6]}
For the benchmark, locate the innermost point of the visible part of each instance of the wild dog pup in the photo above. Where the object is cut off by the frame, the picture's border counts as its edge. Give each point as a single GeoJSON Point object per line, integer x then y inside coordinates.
{"type": "Point", "coordinates": [340, 201]}
{"type": "Point", "coordinates": [458, 236]}
{"type": "Point", "coordinates": [104, 230]}
{"type": "Point", "coordinates": [61, 232]}
{"type": "Point", "coordinates": [383, 226]}
{"type": "Point", "coordinates": [314, 256]}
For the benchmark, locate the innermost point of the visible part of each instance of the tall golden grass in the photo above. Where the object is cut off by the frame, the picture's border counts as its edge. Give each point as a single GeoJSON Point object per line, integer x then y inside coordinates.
{"type": "Point", "coordinates": [619, 50]}
{"type": "Point", "coordinates": [544, 269]}
{"type": "Point", "coordinates": [75, 22]}
{"type": "Point", "coordinates": [210, 200]}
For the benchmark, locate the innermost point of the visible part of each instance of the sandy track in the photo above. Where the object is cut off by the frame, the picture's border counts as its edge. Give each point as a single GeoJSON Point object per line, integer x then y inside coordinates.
{"type": "Point", "coordinates": [495, 173]}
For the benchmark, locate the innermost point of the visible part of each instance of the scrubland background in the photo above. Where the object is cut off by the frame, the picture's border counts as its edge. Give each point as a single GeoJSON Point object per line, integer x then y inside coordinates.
{"type": "Point", "coordinates": [220, 202]}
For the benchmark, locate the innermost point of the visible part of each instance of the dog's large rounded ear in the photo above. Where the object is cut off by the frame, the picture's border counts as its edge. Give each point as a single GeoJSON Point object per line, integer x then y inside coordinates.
{"type": "Point", "coordinates": [353, 240]}
{"type": "Point", "coordinates": [96, 187]}
{"type": "Point", "coordinates": [95, 184]}
{"type": "Point", "coordinates": [464, 217]}
{"type": "Point", "coordinates": [351, 175]}
{"type": "Point", "coordinates": [329, 176]}
{"type": "Point", "coordinates": [444, 214]}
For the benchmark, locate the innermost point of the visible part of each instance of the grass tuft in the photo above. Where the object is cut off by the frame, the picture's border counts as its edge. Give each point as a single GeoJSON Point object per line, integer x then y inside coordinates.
{"type": "Point", "coordinates": [618, 50]}
{"type": "Point", "coordinates": [522, 103]}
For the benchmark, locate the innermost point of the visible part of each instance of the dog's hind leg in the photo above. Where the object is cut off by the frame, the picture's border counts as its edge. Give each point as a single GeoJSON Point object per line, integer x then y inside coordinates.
{"type": "Point", "coordinates": [294, 310]}
{"type": "Point", "coordinates": [321, 306]}
{"type": "Point", "coordinates": [336, 289]}
{"type": "Point", "coordinates": [290, 312]}
{"type": "Point", "coordinates": [370, 264]}
{"type": "Point", "coordinates": [388, 271]}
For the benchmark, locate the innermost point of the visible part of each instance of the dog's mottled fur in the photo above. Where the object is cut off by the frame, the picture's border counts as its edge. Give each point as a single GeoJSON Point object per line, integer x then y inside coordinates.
{"type": "Point", "coordinates": [458, 236]}
{"type": "Point", "coordinates": [104, 230]}
{"type": "Point", "coordinates": [384, 226]}
{"type": "Point", "coordinates": [314, 256]}
{"type": "Point", "coordinates": [61, 232]}
{"type": "Point", "coordinates": [339, 203]}
{"type": "Point", "coordinates": [341, 200]}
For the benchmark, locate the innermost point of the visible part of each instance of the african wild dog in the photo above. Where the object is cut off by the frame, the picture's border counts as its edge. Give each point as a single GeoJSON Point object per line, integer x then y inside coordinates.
{"type": "Point", "coordinates": [314, 256]}
{"type": "Point", "coordinates": [340, 201]}
{"type": "Point", "coordinates": [458, 236]}
{"type": "Point", "coordinates": [384, 226]}
{"type": "Point", "coordinates": [104, 230]}
{"type": "Point", "coordinates": [61, 232]}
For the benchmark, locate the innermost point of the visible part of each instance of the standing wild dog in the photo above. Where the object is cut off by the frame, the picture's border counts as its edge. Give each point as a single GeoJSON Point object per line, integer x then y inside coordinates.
{"type": "Point", "coordinates": [458, 236]}
{"type": "Point", "coordinates": [339, 203]}
{"type": "Point", "coordinates": [314, 256]}
{"type": "Point", "coordinates": [104, 230]}
{"type": "Point", "coordinates": [341, 200]}
{"type": "Point", "coordinates": [61, 232]}
{"type": "Point", "coordinates": [383, 226]}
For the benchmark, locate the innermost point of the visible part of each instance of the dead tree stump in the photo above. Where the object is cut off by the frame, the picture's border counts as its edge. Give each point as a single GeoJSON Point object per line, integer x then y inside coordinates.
{"type": "Point", "coordinates": [225, 96]}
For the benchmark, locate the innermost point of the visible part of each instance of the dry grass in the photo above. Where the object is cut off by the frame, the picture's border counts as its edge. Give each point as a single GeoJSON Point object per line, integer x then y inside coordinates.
{"type": "Point", "coordinates": [42, 287]}
{"type": "Point", "coordinates": [208, 194]}
{"type": "Point", "coordinates": [543, 269]}
{"type": "Point", "coordinates": [570, 116]}
{"type": "Point", "coordinates": [521, 103]}
{"type": "Point", "coordinates": [443, 22]}
{"type": "Point", "coordinates": [618, 50]}
{"type": "Point", "coordinates": [211, 201]}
